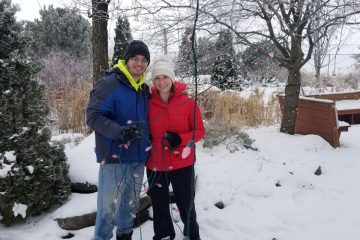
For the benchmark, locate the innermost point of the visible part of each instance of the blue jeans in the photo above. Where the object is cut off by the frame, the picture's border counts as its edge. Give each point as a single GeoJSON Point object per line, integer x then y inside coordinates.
{"type": "Point", "coordinates": [119, 189]}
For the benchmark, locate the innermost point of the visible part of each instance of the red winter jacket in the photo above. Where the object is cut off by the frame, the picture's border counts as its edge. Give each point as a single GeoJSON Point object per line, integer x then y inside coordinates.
{"type": "Point", "coordinates": [176, 116]}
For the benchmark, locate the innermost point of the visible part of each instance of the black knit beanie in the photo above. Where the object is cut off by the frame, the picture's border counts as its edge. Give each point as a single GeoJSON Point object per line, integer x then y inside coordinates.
{"type": "Point", "coordinates": [137, 47]}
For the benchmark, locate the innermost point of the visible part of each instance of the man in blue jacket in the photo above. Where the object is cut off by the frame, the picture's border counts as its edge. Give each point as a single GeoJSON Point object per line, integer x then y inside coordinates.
{"type": "Point", "coordinates": [118, 112]}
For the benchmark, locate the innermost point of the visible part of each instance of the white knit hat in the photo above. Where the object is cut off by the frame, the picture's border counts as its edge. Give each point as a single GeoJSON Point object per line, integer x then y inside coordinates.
{"type": "Point", "coordinates": [162, 66]}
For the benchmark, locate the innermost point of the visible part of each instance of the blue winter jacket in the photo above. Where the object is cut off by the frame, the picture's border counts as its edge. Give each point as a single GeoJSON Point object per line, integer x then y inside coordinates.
{"type": "Point", "coordinates": [113, 103]}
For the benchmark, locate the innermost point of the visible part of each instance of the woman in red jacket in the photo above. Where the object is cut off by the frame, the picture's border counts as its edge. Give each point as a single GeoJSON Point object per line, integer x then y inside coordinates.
{"type": "Point", "coordinates": [173, 132]}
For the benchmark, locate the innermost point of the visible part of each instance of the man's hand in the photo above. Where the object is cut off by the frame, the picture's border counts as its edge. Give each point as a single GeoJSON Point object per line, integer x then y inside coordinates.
{"type": "Point", "coordinates": [129, 133]}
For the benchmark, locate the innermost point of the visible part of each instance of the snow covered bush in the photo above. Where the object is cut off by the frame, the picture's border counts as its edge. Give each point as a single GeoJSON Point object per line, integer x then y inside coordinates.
{"type": "Point", "coordinates": [224, 70]}
{"type": "Point", "coordinates": [122, 38]}
{"type": "Point", "coordinates": [62, 29]}
{"type": "Point", "coordinates": [258, 63]}
{"type": "Point", "coordinates": [231, 137]}
{"type": "Point", "coordinates": [184, 62]}
{"type": "Point", "coordinates": [33, 173]}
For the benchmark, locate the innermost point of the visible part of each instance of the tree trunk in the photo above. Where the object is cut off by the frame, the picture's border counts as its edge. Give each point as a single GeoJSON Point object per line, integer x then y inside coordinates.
{"type": "Point", "coordinates": [318, 44]}
{"type": "Point", "coordinates": [317, 72]}
{"type": "Point", "coordinates": [165, 41]}
{"type": "Point", "coordinates": [292, 89]}
{"type": "Point", "coordinates": [317, 61]}
{"type": "Point", "coordinates": [99, 37]}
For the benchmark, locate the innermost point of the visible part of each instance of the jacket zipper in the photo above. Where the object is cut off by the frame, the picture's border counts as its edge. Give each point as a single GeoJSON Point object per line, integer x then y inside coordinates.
{"type": "Point", "coordinates": [170, 167]}
{"type": "Point", "coordinates": [137, 120]}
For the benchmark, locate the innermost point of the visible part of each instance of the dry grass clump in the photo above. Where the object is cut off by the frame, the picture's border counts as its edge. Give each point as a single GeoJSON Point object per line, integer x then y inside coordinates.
{"type": "Point", "coordinates": [68, 107]}
{"type": "Point", "coordinates": [229, 109]}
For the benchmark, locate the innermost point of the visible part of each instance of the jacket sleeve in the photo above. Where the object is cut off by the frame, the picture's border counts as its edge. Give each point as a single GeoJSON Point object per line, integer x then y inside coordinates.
{"type": "Point", "coordinates": [199, 126]}
{"type": "Point", "coordinates": [100, 109]}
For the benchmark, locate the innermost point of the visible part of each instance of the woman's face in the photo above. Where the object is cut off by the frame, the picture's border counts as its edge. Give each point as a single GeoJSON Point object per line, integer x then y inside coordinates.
{"type": "Point", "coordinates": [163, 83]}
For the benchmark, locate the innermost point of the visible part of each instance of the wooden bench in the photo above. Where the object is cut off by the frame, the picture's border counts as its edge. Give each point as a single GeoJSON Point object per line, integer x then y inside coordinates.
{"type": "Point", "coordinates": [318, 116]}
{"type": "Point", "coordinates": [347, 105]}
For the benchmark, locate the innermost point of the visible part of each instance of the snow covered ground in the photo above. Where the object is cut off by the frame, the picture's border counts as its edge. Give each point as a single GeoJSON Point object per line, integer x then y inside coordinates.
{"type": "Point", "coordinates": [301, 206]}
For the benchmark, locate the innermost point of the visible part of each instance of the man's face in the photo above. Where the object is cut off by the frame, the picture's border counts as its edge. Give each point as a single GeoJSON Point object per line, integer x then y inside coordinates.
{"type": "Point", "coordinates": [137, 65]}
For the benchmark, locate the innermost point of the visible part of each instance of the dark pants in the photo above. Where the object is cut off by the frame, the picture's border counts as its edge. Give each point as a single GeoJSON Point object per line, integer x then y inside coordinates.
{"type": "Point", "coordinates": [182, 181]}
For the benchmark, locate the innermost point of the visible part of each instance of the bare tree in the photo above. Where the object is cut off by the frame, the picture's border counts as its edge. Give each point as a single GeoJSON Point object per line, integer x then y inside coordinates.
{"type": "Point", "coordinates": [288, 24]}
{"type": "Point", "coordinates": [327, 47]}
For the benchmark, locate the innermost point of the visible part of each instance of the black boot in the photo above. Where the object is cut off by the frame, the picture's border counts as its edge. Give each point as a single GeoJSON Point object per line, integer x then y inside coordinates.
{"type": "Point", "coordinates": [124, 236]}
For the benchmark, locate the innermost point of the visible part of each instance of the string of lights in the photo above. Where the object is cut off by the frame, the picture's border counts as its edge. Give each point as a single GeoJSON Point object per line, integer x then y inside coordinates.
{"type": "Point", "coordinates": [120, 182]}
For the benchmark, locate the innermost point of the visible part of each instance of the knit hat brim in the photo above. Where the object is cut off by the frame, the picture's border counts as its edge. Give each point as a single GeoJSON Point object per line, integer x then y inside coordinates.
{"type": "Point", "coordinates": [137, 47]}
{"type": "Point", "coordinates": [162, 66]}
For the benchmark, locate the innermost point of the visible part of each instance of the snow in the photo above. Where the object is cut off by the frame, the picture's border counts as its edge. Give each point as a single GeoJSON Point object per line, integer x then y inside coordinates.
{"type": "Point", "coordinates": [347, 104]}
{"type": "Point", "coordinates": [313, 99]}
{"type": "Point", "coordinates": [67, 136]}
{"type": "Point", "coordinates": [343, 124]}
{"type": "Point", "coordinates": [5, 170]}
{"type": "Point", "coordinates": [267, 91]}
{"type": "Point", "coordinates": [317, 99]}
{"type": "Point", "coordinates": [19, 209]}
{"type": "Point", "coordinates": [30, 169]}
{"type": "Point", "coordinates": [74, 202]}
{"type": "Point", "coordinates": [303, 206]}
{"type": "Point", "coordinates": [82, 160]}
{"type": "Point", "coordinates": [10, 156]}
{"type": "Point", "coordinates": [336, 93]}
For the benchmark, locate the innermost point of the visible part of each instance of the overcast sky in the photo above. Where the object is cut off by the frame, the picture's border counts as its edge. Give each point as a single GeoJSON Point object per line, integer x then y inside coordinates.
{"type": "Point", "coordinates": [30, 8]}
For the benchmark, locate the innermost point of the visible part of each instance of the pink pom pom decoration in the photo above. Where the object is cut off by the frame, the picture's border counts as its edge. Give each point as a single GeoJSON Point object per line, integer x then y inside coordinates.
{"type": "Point", "coordinates": [186, 152]}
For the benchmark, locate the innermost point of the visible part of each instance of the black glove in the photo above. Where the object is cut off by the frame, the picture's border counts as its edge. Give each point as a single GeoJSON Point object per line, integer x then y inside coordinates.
{"type": "Point", "coordinates": [173, 139]}
{"type": "Point", "coordinates": [129, 132]}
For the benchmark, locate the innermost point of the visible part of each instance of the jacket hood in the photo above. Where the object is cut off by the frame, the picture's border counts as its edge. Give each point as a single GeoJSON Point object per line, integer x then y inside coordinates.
{"type": "Point", "coordinates": [121, 65]}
